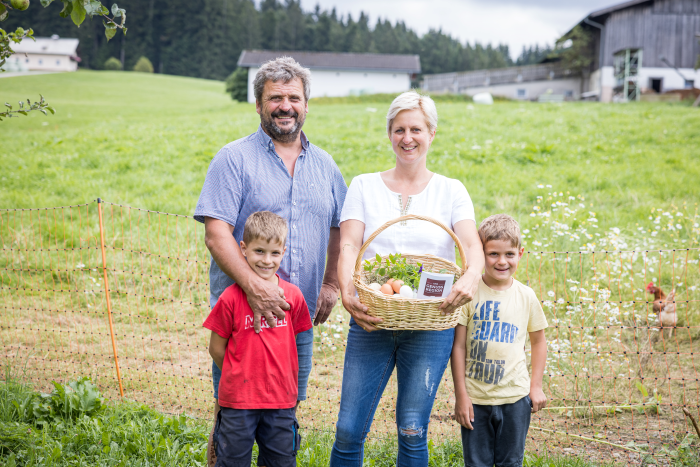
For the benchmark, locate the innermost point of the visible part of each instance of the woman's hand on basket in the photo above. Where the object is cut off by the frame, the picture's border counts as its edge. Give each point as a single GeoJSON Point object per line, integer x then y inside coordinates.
{"type": "Point", "coordinates": [359, 313]}
{"type": "Point", "coordinates": [463, 292]}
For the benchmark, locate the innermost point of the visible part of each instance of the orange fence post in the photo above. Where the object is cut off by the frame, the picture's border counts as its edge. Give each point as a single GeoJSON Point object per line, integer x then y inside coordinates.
{"type": "Point", "coordinates": [109, 303]}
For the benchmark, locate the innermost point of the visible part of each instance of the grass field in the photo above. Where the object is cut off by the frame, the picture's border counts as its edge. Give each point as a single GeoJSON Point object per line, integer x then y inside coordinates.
{"type": "Point", "coordinates": [146, 141]}
{"type": "Point", "coordinates": [579, 177]}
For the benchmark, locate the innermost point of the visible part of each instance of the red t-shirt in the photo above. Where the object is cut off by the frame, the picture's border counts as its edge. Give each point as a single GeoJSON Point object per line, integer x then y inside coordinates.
{"type": "Point", "coordinates": [260, 370]}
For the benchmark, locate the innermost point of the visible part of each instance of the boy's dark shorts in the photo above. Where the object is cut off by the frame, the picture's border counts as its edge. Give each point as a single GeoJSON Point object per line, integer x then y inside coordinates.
{"type": "Point", "coordinates": [499, 435]}
{"type": "Point", "coordinates": [275, 430]}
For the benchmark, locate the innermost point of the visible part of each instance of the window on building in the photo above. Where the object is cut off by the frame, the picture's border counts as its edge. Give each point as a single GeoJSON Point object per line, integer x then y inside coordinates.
{"type": "Point", "coordinates": [689, 83]}
{"type": "Point", "coordinates": [521, 93]}
{"type": "Point", "coordinates": [569, 93]}
{"type": "Point", "coordinates": [26, 60]}
{"type": "Point", "coordinates": [41, 62]}
{"type": "Point", "coordinates": [58, 62]}
{"type": "Point", "coordinates": [657, 84]}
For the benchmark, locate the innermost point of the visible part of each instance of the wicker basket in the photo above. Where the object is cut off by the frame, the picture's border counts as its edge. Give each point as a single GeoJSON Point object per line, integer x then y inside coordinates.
{"type": "Point", "coordinates": [409, 313]}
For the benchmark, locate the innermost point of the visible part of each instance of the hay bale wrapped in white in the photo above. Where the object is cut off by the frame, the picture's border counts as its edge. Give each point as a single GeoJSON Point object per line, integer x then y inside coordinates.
{"type": "Point", "coordinates": [483, 98]}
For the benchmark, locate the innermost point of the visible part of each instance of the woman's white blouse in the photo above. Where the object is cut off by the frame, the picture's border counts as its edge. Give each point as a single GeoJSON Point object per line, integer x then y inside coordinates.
{"type": "Point", "coordinates": [370, 201]}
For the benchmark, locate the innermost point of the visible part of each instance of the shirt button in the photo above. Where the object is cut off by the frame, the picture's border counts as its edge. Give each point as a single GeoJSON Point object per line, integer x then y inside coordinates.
{"type": "Point", "coordinates": [294, 251]}
{"type": "Point", "coordinates": [293, 274]}
{"type": "Point", "coordinates": [294, 226]}
{"type": "Point", "coordinates": [294, 203]}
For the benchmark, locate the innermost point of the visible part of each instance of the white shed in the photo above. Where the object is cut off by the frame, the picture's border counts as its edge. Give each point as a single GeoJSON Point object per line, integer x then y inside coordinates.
{"type": "Point", "coordinates": [45, 54]}
{"type": "Point", "coordinates": [336, 74]}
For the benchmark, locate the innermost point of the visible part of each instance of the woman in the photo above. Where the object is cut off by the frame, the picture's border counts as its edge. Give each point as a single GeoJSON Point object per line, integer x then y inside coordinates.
{"type": "Point", "coordinates": [420, 357]}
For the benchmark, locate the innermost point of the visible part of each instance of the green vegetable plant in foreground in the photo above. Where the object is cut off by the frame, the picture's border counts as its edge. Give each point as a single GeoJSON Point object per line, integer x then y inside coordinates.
{"type": "Point", "coordinates": [71, 401]}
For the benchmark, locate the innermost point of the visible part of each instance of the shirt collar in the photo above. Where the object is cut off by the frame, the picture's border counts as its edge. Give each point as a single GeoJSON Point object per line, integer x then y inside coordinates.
{"type": "Point", "coordinates": [267, 142]}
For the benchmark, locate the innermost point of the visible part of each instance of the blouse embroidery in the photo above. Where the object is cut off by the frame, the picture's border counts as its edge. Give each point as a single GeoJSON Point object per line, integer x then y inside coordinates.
{"type": "Point", "coordinates": [403, 210]}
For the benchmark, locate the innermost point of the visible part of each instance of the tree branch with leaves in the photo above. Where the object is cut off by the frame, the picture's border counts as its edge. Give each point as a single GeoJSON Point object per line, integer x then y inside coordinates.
{"type": "Point", "coordinates": [575, 49]}
{"type": "Point", "coordinates": [77, 10]}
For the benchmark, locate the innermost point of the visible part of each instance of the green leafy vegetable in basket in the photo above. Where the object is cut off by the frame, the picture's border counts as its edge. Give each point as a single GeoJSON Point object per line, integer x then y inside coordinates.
{"type": "Point", "coordinates": [393, 267]}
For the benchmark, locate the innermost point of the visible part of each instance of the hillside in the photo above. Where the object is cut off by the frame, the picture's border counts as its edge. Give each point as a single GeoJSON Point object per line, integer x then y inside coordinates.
{"type": "Point", "coordinates": [146, 140]}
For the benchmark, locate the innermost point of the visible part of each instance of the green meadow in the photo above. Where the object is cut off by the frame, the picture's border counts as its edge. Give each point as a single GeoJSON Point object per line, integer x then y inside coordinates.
{"type": "Point", "coordinates": [608, 185]}
{"type": "Point", "coordinates": [146, 140]}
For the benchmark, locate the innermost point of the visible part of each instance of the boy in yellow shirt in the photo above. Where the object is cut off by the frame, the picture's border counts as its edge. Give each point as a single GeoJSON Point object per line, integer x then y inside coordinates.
{"type": "Point", "coordinates": [494, 393]}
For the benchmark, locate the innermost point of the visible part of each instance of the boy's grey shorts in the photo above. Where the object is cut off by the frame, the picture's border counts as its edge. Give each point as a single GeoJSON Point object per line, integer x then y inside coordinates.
{"type": "Point", "coordinates": [499, 435]}
{"type": "Point", "coordinates": [275, 430]}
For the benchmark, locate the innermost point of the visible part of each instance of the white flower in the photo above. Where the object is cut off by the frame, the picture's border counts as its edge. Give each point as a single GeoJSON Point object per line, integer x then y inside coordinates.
{"type": "Point", "coordinates": [336, 336]}
{"type": "Point", "coordinates": [540, 186]}
{"type": "Point", "coordinates": [476, 146]}
{"type": "Point", "coordinates": [573, 289]}
{"type": "Point", "coordinates": [679, 227]}
{"type": "Point", "coordinates": [550, 293]}
{"type": "Point", "coordinates": [79, 266]}
{"type": "Point", "coordinates": [371, 109]}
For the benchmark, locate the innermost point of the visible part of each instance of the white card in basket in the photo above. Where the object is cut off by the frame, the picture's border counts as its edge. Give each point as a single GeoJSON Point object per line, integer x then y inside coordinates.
{"type": "Point", "coordinates": [434, 285]}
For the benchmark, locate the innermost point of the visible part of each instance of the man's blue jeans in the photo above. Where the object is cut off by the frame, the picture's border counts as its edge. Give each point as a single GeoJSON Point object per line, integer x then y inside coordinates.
{"type": "Point", "coordinates": [420, 358]}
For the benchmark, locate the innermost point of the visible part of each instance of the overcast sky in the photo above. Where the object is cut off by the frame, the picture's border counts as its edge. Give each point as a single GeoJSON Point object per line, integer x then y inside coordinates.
{"type": "Point", "coordinates": [513, 22]}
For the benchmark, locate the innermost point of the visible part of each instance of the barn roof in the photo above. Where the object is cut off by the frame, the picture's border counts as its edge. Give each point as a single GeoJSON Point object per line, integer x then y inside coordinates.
{"type": "Point", "coordinates": [336, 60]}
{"type": "Point", "coordinates": [47, 45]}
{"type": "Point", "coordinates": [620, 6]}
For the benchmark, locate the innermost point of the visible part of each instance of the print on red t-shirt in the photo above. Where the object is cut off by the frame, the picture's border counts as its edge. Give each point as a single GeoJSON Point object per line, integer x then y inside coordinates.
{"type": "Point", "coordinates": [260, 370]}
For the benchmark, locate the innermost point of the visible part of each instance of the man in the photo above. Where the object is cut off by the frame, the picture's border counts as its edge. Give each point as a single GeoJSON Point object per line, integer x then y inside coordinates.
{"type": "Point", "coordinates": [276, 169]}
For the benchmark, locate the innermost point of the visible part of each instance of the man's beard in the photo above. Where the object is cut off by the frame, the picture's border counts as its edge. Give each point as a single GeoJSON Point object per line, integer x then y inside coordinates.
{"type": "Point", "coordinates": [279, 134]}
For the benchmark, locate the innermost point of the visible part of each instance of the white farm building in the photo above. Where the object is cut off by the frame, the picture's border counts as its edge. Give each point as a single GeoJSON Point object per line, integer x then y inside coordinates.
{"type": "Point", "coordinates": [335, 74]}
{"type": "Point", "coordinates": [45, 54]}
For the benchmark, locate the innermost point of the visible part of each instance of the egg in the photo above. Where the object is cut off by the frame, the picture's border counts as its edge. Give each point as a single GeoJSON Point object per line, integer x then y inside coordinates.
{"type": "Point", "coordinates": [375, 286]}
{"type": "Point", "coordinates": [406, 291]}
{"type": "Point", "coordinates": [390, 281]}
{"type": "Point", "coordinates": [396, 285]}
{"type": "Point", "coordinates": [386, 290]}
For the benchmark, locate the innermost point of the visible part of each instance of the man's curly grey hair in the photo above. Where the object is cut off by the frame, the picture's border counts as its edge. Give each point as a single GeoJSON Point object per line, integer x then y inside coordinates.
{"type": "Point", "coordinates": [284, 69]}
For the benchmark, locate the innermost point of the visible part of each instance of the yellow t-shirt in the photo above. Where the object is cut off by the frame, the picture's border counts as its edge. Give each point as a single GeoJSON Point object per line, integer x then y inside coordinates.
{"type": "Point", "coordinates": [498, 323]}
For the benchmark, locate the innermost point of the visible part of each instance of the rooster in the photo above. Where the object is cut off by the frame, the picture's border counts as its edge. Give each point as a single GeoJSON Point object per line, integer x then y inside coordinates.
{"type": "Point", "coordinates": [664, 306]}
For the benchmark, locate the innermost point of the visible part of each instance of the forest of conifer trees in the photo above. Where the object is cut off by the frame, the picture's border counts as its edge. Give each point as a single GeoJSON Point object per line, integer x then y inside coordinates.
{"type": "Point", "coordinates": [204, 38]}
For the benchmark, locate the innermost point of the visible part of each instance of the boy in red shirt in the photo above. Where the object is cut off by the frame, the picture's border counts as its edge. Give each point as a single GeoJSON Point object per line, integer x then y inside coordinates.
{"type": "Point", "coordinates": [258, 388]}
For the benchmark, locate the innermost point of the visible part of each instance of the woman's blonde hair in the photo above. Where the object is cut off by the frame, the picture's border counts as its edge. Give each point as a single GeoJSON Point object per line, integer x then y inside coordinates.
{"type": "Point", "coordinates": [411, 100]}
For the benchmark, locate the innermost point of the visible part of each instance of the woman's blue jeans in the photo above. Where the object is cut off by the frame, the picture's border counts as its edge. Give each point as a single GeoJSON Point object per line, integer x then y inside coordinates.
{"type": "Point", "coordinates": [420, 358]}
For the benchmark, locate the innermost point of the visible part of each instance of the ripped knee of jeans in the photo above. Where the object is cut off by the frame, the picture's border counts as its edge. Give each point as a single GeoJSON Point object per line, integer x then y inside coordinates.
{"type": "Point", "coordinates": [412, 430]}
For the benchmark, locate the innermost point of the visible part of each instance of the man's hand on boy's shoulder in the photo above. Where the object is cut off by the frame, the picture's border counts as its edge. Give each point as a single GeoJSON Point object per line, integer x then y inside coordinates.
{"type": "Point", "coordinates": [267, 302]}
{"type": "Point", "coordinates": [464, 413]}
{"type": "Point", "coordinates": [538, 398]}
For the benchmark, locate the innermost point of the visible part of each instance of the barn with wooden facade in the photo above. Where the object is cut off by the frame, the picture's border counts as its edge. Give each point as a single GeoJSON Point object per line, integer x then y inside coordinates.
{"type": "Point", "coordinates": [643, 46]}
{"type": "Point", "coordinates": [637, 47]}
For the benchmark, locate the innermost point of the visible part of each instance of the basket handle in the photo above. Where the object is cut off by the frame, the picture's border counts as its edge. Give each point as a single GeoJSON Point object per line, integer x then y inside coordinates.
{"type": "Point", "coordinates": [358, 263]}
